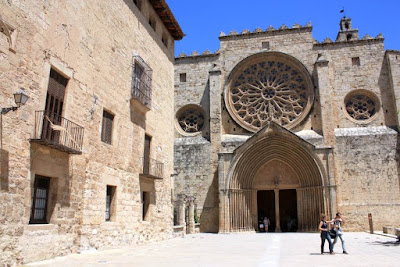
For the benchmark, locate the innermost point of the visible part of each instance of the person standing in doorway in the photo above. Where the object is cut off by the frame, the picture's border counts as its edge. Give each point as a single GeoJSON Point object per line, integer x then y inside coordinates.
{"type": "Point", "coordinates": [337, 226]}
{"type": "Point", "coordinates": [266, 223]}
{"type": "Point", "coordinates": [324, 228]}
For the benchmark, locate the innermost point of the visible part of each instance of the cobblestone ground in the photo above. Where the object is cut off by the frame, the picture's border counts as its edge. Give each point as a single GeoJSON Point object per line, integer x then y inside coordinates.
{"type": "Point", "coordinates": [266, 249]}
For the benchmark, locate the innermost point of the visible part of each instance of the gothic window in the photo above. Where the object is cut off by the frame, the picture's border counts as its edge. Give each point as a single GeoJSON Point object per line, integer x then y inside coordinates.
{"type": "Point", "coordinates": [190, 119]}
{"type": "Point", "coordinates": [270, 86]}
{"type": "Point", "coordinates": [361, 105]}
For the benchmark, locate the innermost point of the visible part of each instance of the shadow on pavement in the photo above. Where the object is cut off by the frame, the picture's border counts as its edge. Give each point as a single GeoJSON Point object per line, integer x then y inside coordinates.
{"type": "Point", "coordinates": [387, 243]}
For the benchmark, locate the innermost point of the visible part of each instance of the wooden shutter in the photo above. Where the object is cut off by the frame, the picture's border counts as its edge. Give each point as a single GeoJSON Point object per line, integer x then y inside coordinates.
{"type": "Point", "coordinates": [54, 104]}
{"type": "Point", "coordinates": [146, 154]}
{"type": "Point", "coordinates": [106, 129]}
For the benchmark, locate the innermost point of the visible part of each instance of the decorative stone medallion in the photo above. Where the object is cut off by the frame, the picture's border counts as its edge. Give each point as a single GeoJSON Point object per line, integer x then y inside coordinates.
{"type": "Point", "coordinates": [361, 105]}
{"type": "Point", "coordinates": [269, 86]}
{"type": "Point", "coordinates": [190, 119]}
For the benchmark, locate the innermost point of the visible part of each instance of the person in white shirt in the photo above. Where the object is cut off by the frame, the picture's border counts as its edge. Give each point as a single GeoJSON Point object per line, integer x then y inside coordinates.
{"type": "Point", "coordinates": [337, 226]}
{"type": "Point", "coordinates": [266, 223]}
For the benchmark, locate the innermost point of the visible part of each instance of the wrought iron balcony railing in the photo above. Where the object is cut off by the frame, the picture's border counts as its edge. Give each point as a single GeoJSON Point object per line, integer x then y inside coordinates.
{"type": "Point", "coordinates": [152, 168]}
{"type": "Point", "coordinates": [57, 132]}
{"type": "Point", "coordinates": [141, 89]}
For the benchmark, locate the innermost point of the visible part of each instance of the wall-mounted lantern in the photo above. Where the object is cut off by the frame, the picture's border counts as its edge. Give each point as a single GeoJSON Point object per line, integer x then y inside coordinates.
{"type": "Point", "coordinates": [20, 99]}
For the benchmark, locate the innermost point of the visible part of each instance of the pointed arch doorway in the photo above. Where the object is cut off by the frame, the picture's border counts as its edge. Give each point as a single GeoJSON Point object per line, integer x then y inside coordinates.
{"type": "Point", "coordinates": [274, 165]}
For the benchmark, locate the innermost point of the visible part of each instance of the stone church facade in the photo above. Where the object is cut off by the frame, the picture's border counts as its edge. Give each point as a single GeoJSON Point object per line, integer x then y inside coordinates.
{"type": "Point", "coordinates": [275, 124]}
{"type": "Point", "coordinates": [86, 163]}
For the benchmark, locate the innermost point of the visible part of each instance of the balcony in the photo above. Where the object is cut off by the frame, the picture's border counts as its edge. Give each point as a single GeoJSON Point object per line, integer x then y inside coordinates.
{"type": "Point", "coordinates": [57, 132]}
{"type": "Point", "coordinates": [141, 85]}
{"type": "Point", "coordinates": [152, 168]}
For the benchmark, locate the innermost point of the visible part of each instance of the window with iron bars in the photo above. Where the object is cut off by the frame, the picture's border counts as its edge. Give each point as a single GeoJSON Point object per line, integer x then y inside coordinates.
{"type": "Point", "coordinates": [141, 81]}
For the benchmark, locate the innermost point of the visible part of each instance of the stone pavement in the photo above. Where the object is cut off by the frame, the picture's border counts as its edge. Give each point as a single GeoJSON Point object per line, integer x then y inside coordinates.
{"type": "Point", "coordinates": [265, 249]}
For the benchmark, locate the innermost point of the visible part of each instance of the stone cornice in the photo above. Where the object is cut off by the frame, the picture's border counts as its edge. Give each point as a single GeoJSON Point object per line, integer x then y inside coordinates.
{"type": "Point", "coordinates": [183, 57]}
{"type": "Point", "coordinates": [354, 42]}
{"type": "Point", "coordinates": [391, 51]}
{"type": "Point", "coordinates": [268, 32]}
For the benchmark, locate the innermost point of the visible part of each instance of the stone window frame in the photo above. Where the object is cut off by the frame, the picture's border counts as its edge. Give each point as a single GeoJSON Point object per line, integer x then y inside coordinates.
{"type": "Point", "coordinates": [184, 109]}
{"type": "Point", "coordinates": [366, 93]}
{"type": "Point", "coordinates": [254, 59]}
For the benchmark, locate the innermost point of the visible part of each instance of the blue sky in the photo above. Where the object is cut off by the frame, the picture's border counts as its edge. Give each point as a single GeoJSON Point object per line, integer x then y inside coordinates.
{"type": "Point", "coordinates": [202, 20]}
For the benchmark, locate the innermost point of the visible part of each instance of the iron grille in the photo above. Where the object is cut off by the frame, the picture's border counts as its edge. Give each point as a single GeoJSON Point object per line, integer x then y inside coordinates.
{"type": "Point", "coordinates": [152, 167]}
{"type": "Point", "coordinates": [58, 132]}
{"type": "Point", "coordinates": [141, 81]}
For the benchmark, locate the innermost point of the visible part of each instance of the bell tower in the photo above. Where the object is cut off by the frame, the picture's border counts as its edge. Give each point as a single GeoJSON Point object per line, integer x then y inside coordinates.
{"type": "Point", "coordinates": [346, 32]}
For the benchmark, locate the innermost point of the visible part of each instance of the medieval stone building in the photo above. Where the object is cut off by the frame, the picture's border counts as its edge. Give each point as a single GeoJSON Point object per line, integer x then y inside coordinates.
{"type": "Point", "coordinates": [275, 124]}
{"type": "Point", "coordinates": [86, 162]}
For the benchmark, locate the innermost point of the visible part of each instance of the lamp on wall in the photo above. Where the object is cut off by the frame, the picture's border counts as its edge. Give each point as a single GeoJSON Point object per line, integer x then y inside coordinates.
{"type": "Point", "coordinates": [20, 99]}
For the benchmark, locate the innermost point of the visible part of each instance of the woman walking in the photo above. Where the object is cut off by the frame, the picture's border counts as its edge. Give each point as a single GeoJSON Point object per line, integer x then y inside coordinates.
{"type": "Point", "coordinates": [323, 227]}
{"type": "Point", "coordinates": [337, 224]}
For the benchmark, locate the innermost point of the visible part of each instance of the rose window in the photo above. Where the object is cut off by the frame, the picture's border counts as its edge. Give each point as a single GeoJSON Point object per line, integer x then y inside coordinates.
{"type": "Point", "coordinates": [271, 87]}
{"type": "Point", "coordinates": [361, 106]}
{"type": "Point", "coordinates": [191, 119]}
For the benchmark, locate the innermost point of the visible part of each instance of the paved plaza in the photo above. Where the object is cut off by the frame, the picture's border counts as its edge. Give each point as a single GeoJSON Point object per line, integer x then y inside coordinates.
{"type": "Point", "coordinates": [266, 249]}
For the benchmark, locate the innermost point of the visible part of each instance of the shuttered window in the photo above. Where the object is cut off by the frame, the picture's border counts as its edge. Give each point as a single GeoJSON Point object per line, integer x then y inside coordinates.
{"type": "Point", "coordinates": [106, 128]}
{"type": "Point", "coordinates": [40, 199]}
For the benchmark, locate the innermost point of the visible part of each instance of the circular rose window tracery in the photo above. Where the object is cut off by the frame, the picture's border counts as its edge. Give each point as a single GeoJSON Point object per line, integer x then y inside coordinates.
{"type": "Point", "coordinates": [190, 119]}
{"type": "Point", "coordinates": [269, 86]}
{"type": "Point", "coordinates": [361, 105]}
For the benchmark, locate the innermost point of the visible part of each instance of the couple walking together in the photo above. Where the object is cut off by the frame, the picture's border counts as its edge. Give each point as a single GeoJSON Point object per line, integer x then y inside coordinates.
{"type": "Point", "coordinates": [324, 227]}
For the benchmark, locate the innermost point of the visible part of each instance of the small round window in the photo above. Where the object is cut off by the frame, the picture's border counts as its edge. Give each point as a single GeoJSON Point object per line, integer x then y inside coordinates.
{"type": "Point", "coordinates": [361, 105]}
{"type": "Point", "coordinates": [190, 119]}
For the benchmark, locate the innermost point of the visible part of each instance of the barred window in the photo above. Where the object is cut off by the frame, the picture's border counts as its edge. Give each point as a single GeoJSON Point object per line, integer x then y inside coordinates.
{"type": "Point", "coordinates": [106, 128]}
{"type": "Point", "coordinates": [40, 199]}
{"type": "Point", "coordinates": [141, 81]}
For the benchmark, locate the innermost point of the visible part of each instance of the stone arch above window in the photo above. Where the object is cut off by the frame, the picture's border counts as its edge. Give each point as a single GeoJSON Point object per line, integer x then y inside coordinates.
{"type": "Point", "coordinates": [190, 119]}
{"type": "Point", "coordinates": [361, 106]}
{"type": "Point", "coordinates": [269, 86]}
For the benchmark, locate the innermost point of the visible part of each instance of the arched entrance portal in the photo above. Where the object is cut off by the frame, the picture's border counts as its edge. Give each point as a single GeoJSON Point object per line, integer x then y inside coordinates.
{"type": "Point", "coordinates": [275, 166]}
{"type": "Point", "coordinates": [277, 183]}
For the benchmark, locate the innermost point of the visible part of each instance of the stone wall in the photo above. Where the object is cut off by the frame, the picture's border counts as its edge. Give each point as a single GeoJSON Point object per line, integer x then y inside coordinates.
{"type": "Point", "coordinates": [192, 177]}
{"type": "Point", "coordinates": [368, 180]}
{"type": "Point", "coordinates": [92, 44]}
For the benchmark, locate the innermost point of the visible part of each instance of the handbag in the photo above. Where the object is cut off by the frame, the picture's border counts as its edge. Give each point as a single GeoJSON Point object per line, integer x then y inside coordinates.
{"type": "Point", "coordinates": [332, 233]}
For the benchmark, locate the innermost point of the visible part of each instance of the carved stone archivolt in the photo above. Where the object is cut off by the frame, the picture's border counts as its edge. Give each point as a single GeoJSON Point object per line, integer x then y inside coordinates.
{"type": "Point", "coordinates": [190, 119]}
{"type": "Point", "coordinates": [269, 86]}
{"type": "Point", "coordinates": [361, 105]}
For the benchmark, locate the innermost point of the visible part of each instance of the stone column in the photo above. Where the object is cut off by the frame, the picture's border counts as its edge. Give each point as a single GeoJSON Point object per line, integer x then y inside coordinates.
{"type": "Point", "coordinates": [223, 198]}
{"type": "Point", "coordinates": [393, 61]}
{"type": "Point", "coordinates": [326, 100]}
{"type": "Point", "coordinates": [215, 138]}
{"type": "Point", "coordinates": [190, 224]}
{"type": "Point", "coordinates": [181, 209]}
{"type": "Point", "coordinates": [277, 216]}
